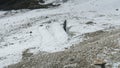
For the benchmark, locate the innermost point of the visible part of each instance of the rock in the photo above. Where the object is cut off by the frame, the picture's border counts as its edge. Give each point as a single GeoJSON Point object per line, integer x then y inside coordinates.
{"type": "Point", "coordinates": [99, 62]}
{"type": "Point", "coordinates": [22, 4]}
{"type": "Point", "coordinates": [89, 22]}
{"type": "Point", "coordinates": [30, 32]}
{"type": "Point", "coordinates": [17, 4]}
{"type": "Point", "coordinates": [75, 65]}
{"type": "Point", "coordinates": [117, 9]}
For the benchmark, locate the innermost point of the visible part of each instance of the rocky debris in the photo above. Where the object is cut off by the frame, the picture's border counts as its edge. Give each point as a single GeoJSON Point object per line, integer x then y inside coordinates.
{"type": "Point", "coordinates": [23, 4]}
{"type": "Point", "coordinates": [26, 54]}
{"type": "Point", "coordinates": [95, 34]}
{"type": "Point", "coordinates": [80, 56]}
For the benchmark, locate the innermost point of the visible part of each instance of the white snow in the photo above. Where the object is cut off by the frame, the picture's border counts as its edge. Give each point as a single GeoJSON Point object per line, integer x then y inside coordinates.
{"type": "Point", "coordinates": [116, 65]}
{"type": "Point", "coordinates": [47, 30]}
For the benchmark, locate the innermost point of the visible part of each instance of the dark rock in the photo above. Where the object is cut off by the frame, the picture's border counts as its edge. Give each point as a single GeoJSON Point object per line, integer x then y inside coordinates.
{"type": "Point", "coordinates": [41, 25]}
{"type": "Point", "coordinates": [117, 9]}
{"type": "Point", "coordinates": [30, 32]}
{"type": "Point", "coordinates": [65, 25]}
{"type": "Point", "coordinates": [41, 1]}
{"type": "Point", "coordinates": [89, 22]}
{"type": "Point", "coordinates": [22, 4]}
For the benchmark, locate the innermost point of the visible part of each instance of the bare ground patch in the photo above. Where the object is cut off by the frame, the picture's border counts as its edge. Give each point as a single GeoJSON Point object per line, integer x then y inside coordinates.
{"type": "Point", "coordinates": [99, 45]}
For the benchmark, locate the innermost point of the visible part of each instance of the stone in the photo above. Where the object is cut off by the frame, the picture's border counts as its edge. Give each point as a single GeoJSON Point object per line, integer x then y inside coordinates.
{"type": "Point", "coordinates": [99, 62]}
{"type": "Point", "coordinates": [75, 65]}
{"type": "Point", "coordinates": [89, 22]}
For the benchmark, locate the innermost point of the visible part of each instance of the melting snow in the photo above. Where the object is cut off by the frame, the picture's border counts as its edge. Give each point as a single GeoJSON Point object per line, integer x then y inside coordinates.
{"type": "Point", "coordinates": [42, 29]}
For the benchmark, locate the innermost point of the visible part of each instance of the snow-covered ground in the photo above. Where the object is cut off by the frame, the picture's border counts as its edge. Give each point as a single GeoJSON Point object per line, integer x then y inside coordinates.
{"type": "Point", "coordinates": [42, 29]}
